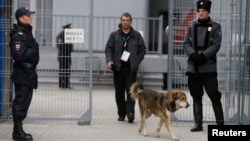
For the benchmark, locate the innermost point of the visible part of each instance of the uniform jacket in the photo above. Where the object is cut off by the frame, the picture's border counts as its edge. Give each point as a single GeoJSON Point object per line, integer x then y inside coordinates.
{"type": "Point", "coordinates": [64, 49]}
{"type": "Point", "coordinates": [114, 49]}
{"type": "Point", "coordinates": [203, 37]}
{"type": "Point", "coordinates": [25, 53]}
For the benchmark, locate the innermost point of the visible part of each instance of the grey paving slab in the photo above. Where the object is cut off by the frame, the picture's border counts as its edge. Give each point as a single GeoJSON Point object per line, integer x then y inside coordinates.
{"type": "Point", "coordinates": [104, 126]}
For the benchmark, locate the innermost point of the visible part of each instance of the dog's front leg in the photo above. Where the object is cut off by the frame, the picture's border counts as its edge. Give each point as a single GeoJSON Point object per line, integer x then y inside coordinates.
{"type": "Point", "coordinates": [170, 129]}
{"type": "Point", "coordinates": [157, 132]}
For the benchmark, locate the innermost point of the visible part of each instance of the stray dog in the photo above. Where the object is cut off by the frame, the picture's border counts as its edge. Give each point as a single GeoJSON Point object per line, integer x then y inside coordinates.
{"type": "Point", "coordinates": [160, 104]}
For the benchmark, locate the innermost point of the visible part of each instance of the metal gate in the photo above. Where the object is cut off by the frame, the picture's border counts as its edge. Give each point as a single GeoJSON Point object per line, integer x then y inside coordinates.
{"type": "Point", "coordinates": [49, 101]}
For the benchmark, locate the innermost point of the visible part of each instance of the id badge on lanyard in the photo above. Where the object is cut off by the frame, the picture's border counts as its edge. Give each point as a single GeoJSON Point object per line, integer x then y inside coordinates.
{"type": "Point", "coordinates": [125, 54]}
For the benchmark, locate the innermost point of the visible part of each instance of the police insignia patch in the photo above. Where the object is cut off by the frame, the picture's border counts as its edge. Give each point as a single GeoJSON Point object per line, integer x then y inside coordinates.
{"type": "Point", "coordinates": [18, 46]}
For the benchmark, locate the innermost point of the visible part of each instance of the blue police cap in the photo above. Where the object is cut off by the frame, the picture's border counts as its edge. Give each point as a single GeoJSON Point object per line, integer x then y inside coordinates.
{"type": "Point", "coordinates": [23, 11]}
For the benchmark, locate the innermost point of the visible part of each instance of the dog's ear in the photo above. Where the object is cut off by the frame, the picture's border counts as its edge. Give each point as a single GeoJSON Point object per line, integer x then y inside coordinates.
{"type": "Point", "coordinates": [173, 94]}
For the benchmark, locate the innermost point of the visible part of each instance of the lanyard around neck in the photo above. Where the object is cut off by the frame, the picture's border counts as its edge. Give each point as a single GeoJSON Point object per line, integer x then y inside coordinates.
{"type": "Point", "coordinates": [125, 39]}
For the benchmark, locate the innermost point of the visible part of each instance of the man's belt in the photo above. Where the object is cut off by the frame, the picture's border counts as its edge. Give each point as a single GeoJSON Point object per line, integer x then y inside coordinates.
{"type": "Point", "coordinates": [28, 67]}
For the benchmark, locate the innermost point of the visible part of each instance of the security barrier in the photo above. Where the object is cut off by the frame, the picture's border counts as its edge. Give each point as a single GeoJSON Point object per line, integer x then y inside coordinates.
{"type": "Point", "coordinates": [89, 65]}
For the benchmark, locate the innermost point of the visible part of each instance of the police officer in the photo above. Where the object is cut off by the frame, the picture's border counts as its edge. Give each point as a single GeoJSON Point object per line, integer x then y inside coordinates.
{"type": "Point", "coordinates": [25, 54]}
{"type": "Point", "coordinates": [201, 43]}
{"type": "Point", "coordinates": [64, 58]}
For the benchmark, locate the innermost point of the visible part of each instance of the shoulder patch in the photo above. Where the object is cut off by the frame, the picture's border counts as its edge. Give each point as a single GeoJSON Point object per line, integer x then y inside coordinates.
{"type": "Point", "coordinates": [17, 46]}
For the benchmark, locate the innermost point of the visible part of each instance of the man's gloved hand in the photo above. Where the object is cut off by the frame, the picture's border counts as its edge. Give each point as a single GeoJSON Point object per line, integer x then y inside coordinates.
{"type": "Point", "coordinates": [193, 56]}
{"type": "Point", "coordinates": [198, 58]}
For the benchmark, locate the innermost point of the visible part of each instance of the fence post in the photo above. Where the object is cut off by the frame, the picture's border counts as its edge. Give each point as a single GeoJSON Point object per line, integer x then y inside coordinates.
{"type": "Point", "coordinates": [160, 34]}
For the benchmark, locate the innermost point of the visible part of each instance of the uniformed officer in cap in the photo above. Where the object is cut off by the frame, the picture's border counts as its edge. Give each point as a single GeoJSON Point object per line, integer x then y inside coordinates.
{"type": "Point", "coordinates": [64, 58]}
{"type": "Point", "coordinates": [201, 44]}
{"type": "Point", "coordinates": [25, 54]}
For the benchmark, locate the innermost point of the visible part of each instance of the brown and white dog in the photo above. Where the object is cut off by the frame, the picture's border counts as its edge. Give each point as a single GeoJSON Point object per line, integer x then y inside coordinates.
{"type": "Point", "coordinates": [160, 104]}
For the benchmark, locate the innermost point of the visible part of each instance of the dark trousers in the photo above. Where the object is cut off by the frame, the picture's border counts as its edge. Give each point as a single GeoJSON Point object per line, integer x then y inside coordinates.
{"type": "Point", "coordinates": [64, 80]}
{"type": "Point", "coordinates": [122, 81]}
{"type": "Point", "coordinates": [64, 73]}
{"type": "Point", "coordinates": [21, 102]}
{"type": "Point", "coordinates": [165, 79]}
{"type": "Point", "coordinates": [196, 85]}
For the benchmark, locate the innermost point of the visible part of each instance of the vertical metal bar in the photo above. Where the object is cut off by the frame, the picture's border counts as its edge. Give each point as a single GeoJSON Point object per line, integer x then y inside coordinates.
{"type": "Point", "coordinates": [170, 44]}
{"type": "Point", "coordinates": [86, 118]}
{"type": "Point", "coordinates": [239, 68]}
{"type": "Point", "coordinates": [247, 21]}
{"type": "Point", "coordinates": [247, 38]}
{"type": "Point", "coordinates": [160, 33]}
{"type": "Point", "coordinates": [246, 60]}
{"type": "Point", "coordinates": [91, 53]}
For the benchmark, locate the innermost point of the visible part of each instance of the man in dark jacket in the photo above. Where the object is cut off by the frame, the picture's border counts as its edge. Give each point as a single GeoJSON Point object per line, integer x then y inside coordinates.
{"type": "Point", "coordinates": [25, 53]}
{"type": "Point", "coordinates": [64, 58]}
{"type": "Point", "coordinates": [201, 43]}
{"type": "Point", "coordinates": [125, 49]}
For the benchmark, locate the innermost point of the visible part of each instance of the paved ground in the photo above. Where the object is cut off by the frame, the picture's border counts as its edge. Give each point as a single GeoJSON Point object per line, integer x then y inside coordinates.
{"type": "Point", "coordinates": [104, 126]}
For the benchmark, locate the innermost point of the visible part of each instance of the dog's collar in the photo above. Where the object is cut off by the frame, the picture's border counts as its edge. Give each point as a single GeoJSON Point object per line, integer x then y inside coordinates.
{"type": "Point", "coordinates": [171, 107]}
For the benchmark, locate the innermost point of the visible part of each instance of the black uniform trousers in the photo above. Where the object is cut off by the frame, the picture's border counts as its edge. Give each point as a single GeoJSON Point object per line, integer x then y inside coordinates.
{"type": "Point", "coordinates": [196, 84]}
{"type": "Point", "coordinates": [122, 81]}
{"type": "Point", "coordinates": [21, 103]}
{"type": "Point", "coordinates": [64, 72]}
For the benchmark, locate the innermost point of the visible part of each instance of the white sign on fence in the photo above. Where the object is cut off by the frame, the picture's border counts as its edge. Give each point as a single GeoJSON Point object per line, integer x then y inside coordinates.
{"type": "Point", "coordinates": [74, 35]}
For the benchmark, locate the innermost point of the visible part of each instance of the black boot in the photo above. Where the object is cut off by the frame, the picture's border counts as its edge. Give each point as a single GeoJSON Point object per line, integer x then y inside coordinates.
{"type": "Point", "coordinates": [197, 127]}
{"type": "Point", "coordinates": [18, 134]}
{"type": "Point", "coordinates": [218, 112]}
{"type": "Point", "coordinates": [197, 116]}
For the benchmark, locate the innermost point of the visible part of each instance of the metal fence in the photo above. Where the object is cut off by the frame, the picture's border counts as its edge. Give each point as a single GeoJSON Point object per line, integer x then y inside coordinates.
{"type": "Point", "coordinates": [163, 46]}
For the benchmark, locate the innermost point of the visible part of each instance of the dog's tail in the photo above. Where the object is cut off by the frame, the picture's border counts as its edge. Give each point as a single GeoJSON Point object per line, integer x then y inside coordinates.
{"type": "Point", "coordinates": [133, 89]}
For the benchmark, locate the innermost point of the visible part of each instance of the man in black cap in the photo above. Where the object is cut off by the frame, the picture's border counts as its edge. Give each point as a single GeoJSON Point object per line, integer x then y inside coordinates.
{"type": "Point", "coordinates": [25, 53]}
{"type": "Point", "coordinates": [64, 58]}
{"type": "Point", "coordinates": [201, 43]}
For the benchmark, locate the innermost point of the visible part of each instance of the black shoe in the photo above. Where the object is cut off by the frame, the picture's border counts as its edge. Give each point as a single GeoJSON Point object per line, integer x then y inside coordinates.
{"type": "Point", "coordinates": [121, 118]}
{"type": "Point", "coordinates": [197, 128]}
{"type": "Point", "coordinates": [131, 118]}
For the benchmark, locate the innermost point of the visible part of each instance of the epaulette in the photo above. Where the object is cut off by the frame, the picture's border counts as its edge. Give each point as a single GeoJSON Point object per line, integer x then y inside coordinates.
{"type": "Point", "coordinates": [18, 34]}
